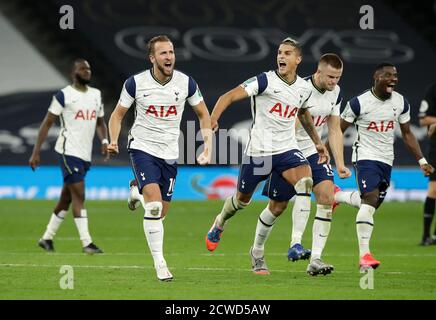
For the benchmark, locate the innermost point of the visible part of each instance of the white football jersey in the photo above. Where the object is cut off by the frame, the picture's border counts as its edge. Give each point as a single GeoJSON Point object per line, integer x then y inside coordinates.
{"type": "Point", "coordinates": [274, 104]}
{"type": "Point", "coordinates": [375, 122]}
{"type": "Point", "coordinates": [322, 104]}
{"type": "Point", "coordinates": [78, 112]}
{"type": "Point", "coordinates": [159, 109]}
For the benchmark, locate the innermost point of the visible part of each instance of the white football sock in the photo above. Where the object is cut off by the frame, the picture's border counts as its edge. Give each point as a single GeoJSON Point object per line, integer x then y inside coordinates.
{"type": "Point", "coordinates": [82, 226]}
{"type": "Point", "coordinates": [364, 226]}
{"type": "Point", "coordinates": [231, 205]}
{"type": "Point", "coordinates": [321, 229]}
{"type": "Point", "coordinates": [265, 224]}
{"type": "Point", "coordinates": [137, 196]}
{"type": "Point", "coordinates": [54, 224]}
{"type": "Point", "coordinates": [154, 231]}
{"type": "Point", "coordinates": [300, 215]}
{"type": "Point", "coordinates": [349, 197]}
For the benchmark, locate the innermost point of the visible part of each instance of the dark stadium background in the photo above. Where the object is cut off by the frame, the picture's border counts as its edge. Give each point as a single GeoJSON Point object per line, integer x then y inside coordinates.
{"type": "Point", "coordinates": [220, 43]}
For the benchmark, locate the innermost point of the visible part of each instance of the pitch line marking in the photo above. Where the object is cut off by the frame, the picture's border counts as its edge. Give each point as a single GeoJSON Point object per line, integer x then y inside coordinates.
{"type": "Point", "coordinates": [22, 265]}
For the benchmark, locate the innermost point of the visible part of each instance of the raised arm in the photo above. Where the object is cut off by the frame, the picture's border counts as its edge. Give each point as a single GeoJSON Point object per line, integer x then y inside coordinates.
{"type": "Point", "coordinates": [115, 121]}
{"type": "Point", "coordinates": [336, 143]}
{"type": "Point", "coordinates": [307, 123]}
{"type": "Point", "coordinates": [205, 126]}
{"type": "Point", "coordinates": [46, 124]}
{"type": "Point", "coordinates": [224, 101]}
{"type": "Point", "coordinates": [413, 146]}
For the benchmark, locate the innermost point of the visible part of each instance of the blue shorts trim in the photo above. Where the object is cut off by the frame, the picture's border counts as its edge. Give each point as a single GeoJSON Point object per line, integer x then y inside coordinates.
{"type": "Point", "coordinates": [276, 188]}
{"type": "Point", "coordinates": [372, 175]}
{"type": "Point", "coordinates": [73, 169]}
{"type": "Point", "coordinates": [150, 169]}
{"type": "Point", "coordinates": [256, 169]}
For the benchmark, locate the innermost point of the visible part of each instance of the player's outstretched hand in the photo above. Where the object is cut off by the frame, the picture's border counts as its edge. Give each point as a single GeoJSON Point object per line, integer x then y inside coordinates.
{"type": "Point", "coordinates": [34, 161]}
{"type": "Point", "coordinates": [324, 156]}
{"type": "Point", "coordinates": [214, 124]}
{"type": "Point", "coordinates": [343, 172]}
{"type": "Point", "coordinates": [105, 152]}
{"type": "Point", "coordinates": [204, 158]}
{"type": "Point", "coordinates": [427, 169]}
{"type": "Point", "coordinates": [112, 148]}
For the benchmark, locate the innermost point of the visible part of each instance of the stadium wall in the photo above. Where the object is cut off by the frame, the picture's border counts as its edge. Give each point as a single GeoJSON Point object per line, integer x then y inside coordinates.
{"type": "Point", "coordinates": [193, 183]}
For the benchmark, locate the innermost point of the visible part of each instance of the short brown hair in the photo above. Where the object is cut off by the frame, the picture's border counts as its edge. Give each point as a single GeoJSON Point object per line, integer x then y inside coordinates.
{"type": "Point", "coordinates": [331, 59]}
{"type": "Point", "coordinates": [152, 41]}
{"type": "Point", "coordinates": [293, 43]}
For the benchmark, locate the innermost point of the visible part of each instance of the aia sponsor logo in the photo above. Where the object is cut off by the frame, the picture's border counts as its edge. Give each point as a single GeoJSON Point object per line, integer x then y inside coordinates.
{"type": "Point", "coordinates": [381, 126]}
{"type": "Point", "coordinates": [161, 111]}
{"type": "Point", "coordinates": [284, 111]}
{"type": "Point", "coordinates": [318, 121]}
{"type": "Point", "coordinates": [86, 115]}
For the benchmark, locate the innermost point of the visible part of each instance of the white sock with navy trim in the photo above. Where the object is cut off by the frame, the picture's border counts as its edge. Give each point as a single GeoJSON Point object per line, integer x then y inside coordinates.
{"type": "Point", "coordinates": [230, 207]}
{"type": "Point", "coordinates": [54, 224]}
{"type": "Point", "coordinates": [364, 227]}
{"type": "Point", "coordinates": [300, 215]}
{"type": "Point", "coordinates": [82, 226]}
{"type": "Point", "coordinates": [154, 231]}
{"type": "Point", "coordinates": [320, 229]}
{"type": "Point", "coordinates": [264, 227]}
{"type": "Point", "coordinates": [349, 197]}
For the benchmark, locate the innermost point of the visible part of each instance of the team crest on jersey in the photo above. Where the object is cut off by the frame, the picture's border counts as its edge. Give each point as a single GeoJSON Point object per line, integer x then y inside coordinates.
{"type": "Point", "coordinates": [285, 112]}
{"type": "Point", "coordinates": [161, 111]}
{"type": "Point", "coordinates": [177, 95]}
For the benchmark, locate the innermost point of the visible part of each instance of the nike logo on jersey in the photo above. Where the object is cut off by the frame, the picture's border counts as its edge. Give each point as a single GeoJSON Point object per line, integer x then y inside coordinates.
{"type": "Point", "coordinates": [277, 91]}
{"type": "Point", "coordinates": [76, 169]}
{"type": "Point", "coordinates": [146, 95]}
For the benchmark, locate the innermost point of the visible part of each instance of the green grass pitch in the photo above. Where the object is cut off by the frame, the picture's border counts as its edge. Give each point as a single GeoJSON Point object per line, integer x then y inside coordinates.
{"type": "Point", "coordinates": [125, 270]}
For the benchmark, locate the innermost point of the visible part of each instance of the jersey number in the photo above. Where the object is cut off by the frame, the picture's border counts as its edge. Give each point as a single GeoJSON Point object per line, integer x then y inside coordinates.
{"type": "Point", "coordinates": [329, 169]}
{"type": "Point", "coordinates": [171, 187]}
